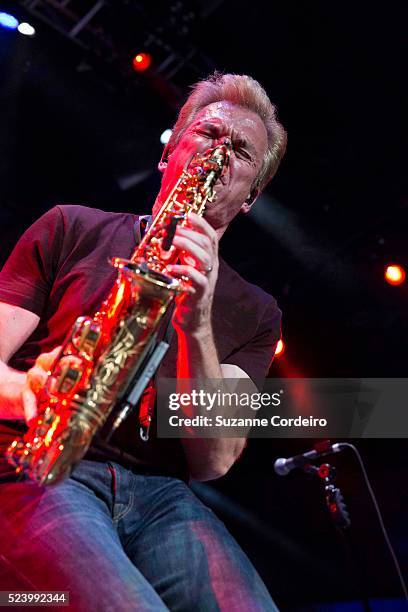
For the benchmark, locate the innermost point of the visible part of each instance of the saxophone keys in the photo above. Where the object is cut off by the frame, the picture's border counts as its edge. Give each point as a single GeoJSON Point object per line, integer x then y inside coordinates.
{"type": "Point", "coordinates": [142, 321]}
{"type": "Point", "coordinates": [85, 336]}
{"type": "Point", "coordinates": [66, 377]}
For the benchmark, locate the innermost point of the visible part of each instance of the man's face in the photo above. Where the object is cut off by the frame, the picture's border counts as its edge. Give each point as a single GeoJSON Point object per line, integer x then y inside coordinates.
{"type": "Point", "coordinates": [210, 127]}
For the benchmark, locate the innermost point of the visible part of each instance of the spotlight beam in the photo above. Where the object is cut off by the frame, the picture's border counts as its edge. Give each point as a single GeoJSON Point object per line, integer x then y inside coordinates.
{"type": "Point", "coordinates": [272, 216]}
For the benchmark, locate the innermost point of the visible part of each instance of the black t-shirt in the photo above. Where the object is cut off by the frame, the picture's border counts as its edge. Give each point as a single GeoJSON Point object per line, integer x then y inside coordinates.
{"type": "Point", "coordinates": [60, 270]}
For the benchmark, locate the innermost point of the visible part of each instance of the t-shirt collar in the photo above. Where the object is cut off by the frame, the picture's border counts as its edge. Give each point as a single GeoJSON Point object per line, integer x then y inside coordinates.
{"type": "Point", "coordinates": [142, 224]}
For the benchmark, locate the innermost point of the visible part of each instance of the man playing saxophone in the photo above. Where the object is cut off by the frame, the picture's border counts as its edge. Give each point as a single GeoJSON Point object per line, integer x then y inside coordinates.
{"type": "Point", "coordinates": [129, 517]}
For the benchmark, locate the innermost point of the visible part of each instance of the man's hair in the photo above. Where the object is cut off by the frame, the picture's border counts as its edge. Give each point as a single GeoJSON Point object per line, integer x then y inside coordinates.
{"type": "Point", "coordinates": [244, 91]}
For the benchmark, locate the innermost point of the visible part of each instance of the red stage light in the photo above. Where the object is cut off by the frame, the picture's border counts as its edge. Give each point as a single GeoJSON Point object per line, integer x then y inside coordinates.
{"type": "Point", "coordinates": [280, 347]}
{"type": "Point", "coordinates": [142, 61]}
{"type": "Point", "coordinates": [394, 274]}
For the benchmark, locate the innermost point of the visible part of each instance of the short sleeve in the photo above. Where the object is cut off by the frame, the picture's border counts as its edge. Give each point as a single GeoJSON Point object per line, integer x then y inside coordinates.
{"type": "Point", "coordinates": [256, 356]}
{"type": "Point", "coordinates": [28, 274]}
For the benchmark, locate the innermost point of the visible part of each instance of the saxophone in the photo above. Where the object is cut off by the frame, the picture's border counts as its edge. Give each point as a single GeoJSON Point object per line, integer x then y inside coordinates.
{"type": "Point", "coordinates": [101, 354]}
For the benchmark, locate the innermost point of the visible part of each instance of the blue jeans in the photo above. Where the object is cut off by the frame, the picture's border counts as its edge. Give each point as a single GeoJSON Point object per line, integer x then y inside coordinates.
{"type": "Point", "coordinates": [119, 541]}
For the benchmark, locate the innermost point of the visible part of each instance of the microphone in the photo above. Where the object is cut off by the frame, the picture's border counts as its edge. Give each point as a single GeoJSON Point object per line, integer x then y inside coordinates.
{"type": "Point", "coordinates": [284, 466]}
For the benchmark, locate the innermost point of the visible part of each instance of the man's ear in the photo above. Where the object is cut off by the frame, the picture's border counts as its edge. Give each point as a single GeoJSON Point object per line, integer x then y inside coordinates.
{"type": "Point", "coordinates": [162, 165]}
{"type": "Point", "coordinates": [250, 201]}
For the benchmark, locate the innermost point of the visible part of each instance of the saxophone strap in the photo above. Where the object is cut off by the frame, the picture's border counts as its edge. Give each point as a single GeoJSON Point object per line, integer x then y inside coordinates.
{"type": "Point", "coordinates": [148, 400]}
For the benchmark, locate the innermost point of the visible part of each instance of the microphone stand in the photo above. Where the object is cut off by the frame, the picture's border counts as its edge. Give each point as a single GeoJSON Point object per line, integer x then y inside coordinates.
{"type": "Point", "coordinates": [333, 495]}
{"type": "Point", "coordinates": [341, 519]}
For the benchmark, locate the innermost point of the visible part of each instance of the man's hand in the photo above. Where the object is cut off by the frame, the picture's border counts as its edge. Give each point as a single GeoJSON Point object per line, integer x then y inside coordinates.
{"type": "Point", "coordinates": [35, 381]}
{"type": "Point", "coordinates": [198, 243]}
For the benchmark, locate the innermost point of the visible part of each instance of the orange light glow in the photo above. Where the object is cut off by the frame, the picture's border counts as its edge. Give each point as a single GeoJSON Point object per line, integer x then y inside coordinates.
{"type": "Point", "coordinates": [142, 61]}
{"type": "Point", "coordinates": [117, 300]}
{"type": "Point", "coordinates": [395, 274]}
{"type": "Point", "coordinates": [48, 438]}
{"type": "Point", "coordinates": [280, 348]}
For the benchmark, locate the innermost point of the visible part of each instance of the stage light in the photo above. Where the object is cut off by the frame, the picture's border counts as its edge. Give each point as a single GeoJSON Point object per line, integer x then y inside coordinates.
{"type": "Point", "coordinates": [26, 29]}
{"type": "Point", "coordinates": [280, 348]}
{"type": "Point", "coordinates": [8, 21]}
{"type": "Point", "coordinates": [395, 274]}
{"type": "Point", "coordinates": [165, 137]}
{"type": "Point", "coordinates": [142, 61]}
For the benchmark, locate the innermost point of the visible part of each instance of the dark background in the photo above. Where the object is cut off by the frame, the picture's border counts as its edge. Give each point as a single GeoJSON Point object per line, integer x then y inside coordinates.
{"type": "Point", "coordinates": [77, 123]}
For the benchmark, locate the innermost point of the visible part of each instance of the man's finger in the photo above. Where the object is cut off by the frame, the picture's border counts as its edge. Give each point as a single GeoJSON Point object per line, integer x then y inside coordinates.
{"type": "Point", "coordinates": [200, 224]}
{"type": "Point", "coordinates": [185, 244]}
{"type": "Point", "coordinates": [46, 360]}
{"type": "Point", "coordinates": [36, 378]}
{"type": "Point", "coordinates": [202, 240]}
{"type": "Point", "coordinates": [29, 404]}
{"type": "Point", "coordinates": [196, 277]}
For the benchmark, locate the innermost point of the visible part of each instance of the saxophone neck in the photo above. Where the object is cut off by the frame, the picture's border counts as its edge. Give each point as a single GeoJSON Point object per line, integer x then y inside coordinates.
{"type": "Point", "coordinates": [191, 192]}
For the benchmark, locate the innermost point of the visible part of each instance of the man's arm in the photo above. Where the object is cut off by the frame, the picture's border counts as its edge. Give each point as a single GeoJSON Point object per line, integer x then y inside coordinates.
{"type": "Point", "coordinates": [25, 282]}
{"type": "Point", "coordinates": [197, 354]}
{"type": "Point", "coordinates": [17, 397]}
{"type": "Point", "coordinates": [208, 458]}
{"type": "Point", "coordinates": [16, 325]}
